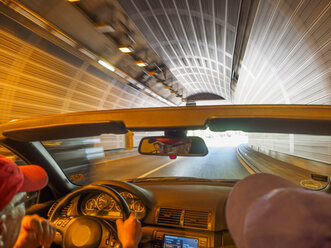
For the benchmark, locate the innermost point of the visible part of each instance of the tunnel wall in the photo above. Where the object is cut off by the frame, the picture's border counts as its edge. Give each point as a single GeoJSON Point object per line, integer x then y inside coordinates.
{"type": "Point", "coordinates": [287, 61]}
{"type": "Point", "coordinates": [38, 77]}
{"type": "Point", "coordinates": [317, 148]}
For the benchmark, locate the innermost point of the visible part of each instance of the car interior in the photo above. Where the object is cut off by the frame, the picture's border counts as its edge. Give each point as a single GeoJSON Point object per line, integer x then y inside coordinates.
{"type": "Point", "coordinates": [174, 211]}
{"type": "Point", "coordinates": [160, 108]}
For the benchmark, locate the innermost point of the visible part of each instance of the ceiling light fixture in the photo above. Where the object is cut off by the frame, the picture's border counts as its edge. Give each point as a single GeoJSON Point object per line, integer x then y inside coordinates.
{"type": "Point", "coordinates": [126, 49]}
{"type": "Point", "coordinates": [88, 53]}
{"type": "Point", "coordinates": [151, 73]}
{"type": "Point", "coordinates": [106, 65]}
{"type": "Point", "coordinates": [104, 28]}
{"type": "Point", "coordinates": [140, 63]}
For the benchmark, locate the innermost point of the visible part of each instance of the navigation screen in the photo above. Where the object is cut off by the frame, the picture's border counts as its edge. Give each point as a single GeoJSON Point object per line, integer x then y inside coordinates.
{"type": "Point", "coordinates": [179, 242]}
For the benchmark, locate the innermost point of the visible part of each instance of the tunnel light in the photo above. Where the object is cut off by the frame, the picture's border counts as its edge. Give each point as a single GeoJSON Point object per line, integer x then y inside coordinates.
{"type": "Point", "coordinates": [31, 16]}
{"type": "Point", "coordinates": [126, 49]}
{"type": "Point", "coordinates": [121, 74]}
{"type": "Point", "coordinates": [140, 86]}
{"type": "Point", "coordinates": [88, 53]}
{"type": "Point", "coordinates": [131, 80]}
{"type": "Point", "coordinates": [106, 65]}
{"type": "Point", "coordinates": [72, 1]}
{"type": "Point", "coordinates": [140, 63]}
{"type": "Point", "coordinates": [151, 73]}
{"type": "Point", "coordinates": [63, 38]}
{"type": "Point", "coordinates": [104, 28]}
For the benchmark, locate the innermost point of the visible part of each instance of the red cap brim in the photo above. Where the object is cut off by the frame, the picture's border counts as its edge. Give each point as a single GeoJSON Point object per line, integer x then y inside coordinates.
{"type": "Point", "coordinates": [35, 178]}
{"type": "Point", "coordinates": [14, 179]}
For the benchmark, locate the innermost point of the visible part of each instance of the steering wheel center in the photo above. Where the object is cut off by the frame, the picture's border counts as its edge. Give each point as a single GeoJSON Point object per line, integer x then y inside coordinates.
{"type": "Point", "coordinates": [81, 236]}
{"type": "Point", "coordinates": [83, 232]}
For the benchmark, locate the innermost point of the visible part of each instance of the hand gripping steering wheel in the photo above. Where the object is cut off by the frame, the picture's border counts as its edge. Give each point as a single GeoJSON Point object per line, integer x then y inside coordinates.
{"type": "Point", "coordinates": [87, 231]}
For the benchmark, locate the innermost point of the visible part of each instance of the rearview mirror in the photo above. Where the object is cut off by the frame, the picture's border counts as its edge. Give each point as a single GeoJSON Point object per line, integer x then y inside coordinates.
{"type": "Point", "coordinates": [173, 146]}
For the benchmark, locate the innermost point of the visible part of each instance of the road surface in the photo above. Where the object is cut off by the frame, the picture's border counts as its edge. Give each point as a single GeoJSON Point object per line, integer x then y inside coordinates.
{"type": "Point", "coordinates": [220, 163]}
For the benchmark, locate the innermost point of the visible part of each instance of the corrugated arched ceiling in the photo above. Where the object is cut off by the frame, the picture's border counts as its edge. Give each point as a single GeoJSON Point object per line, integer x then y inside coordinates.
{"type": "Point", "coordinates": [195, 39]}
{"type": "Point", "coordinates": [286, 60]}
{"type": "Point", "coordinates": [245, 51]}
{"type": "Point", "coordinates": [276, 52]}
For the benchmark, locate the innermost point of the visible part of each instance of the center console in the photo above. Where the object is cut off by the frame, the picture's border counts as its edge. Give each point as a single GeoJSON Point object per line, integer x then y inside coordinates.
{"type": "Point", "coordinates": [170, 240]}
{"type": "Point", "coordinates": [179, 242]}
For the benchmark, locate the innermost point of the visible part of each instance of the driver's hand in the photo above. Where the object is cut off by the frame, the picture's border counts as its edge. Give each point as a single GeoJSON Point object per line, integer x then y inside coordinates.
{"type": "Point", "coordinates": [129, 231]}
{"type": "Point", "coordinates": [35, 232]}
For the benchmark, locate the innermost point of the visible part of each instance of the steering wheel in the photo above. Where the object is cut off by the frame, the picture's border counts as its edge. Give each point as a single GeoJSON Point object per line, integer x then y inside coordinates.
{"type": "Point", "coordinates": [87, 231]}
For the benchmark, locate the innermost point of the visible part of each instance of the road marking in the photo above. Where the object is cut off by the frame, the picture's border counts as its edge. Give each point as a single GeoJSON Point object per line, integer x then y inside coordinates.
{"type": "Point", "coordinates": [160, 167]}
{"type": "Point", "coordinates": [115, 159]}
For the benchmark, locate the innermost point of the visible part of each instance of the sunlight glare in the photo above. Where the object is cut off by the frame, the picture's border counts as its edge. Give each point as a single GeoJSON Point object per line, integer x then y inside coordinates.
{"type": "Point", "coordinates": [221, 139]}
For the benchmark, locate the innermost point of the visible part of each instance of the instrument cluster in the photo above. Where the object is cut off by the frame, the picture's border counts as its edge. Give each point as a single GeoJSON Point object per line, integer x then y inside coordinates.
{"type": "Point", "coordinates": [103, 205]}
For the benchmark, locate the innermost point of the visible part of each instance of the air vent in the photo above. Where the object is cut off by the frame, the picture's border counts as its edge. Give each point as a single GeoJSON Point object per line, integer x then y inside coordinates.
{"type": "Point", "coordinates": [169, 216]}
{"type": "Point", "coordinates": [50, 211]}
{"type": "Point", "coordinates": [197, 219]}
{"type": "Point", "coordinates": [65, 210]}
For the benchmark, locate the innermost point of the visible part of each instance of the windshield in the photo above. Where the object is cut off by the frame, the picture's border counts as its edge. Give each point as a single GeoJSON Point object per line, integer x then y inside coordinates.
{"type": "Point", "coordinates": [231, 155]}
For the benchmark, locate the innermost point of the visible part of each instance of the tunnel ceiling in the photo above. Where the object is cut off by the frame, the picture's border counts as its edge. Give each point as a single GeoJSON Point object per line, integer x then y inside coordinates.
{"type": "Point", "coordinates": [81, 21]}
{"type": "Point", "coordinates": [241, 51]}
{"type": "Point", "coordinates": [192, 42]}
{"type": "Point", "coordinates": [195, 39]}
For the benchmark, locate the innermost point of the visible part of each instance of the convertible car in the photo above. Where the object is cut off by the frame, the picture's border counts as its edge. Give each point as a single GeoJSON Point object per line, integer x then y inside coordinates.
{"type": "Point", "coordinates": [104, 164]}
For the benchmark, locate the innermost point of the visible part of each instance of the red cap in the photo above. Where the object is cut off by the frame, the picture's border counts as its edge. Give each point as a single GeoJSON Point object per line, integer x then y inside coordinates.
{"type": "Point", "coordinates": [14, 179]}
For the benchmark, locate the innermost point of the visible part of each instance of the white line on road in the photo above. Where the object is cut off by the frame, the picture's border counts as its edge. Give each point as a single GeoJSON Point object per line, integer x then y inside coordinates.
{"type": "Point", "coordinates": [115, 159]}
{"type": "Point", "coordinates": [160, 167]}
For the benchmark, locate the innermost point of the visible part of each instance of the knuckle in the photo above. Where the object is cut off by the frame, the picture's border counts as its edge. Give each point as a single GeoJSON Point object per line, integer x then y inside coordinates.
{"type": "Point", "coordinates": [45, 223]}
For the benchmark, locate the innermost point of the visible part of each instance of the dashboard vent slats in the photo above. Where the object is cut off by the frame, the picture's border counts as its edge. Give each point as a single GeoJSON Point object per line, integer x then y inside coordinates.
{"type": "Point", "coordinates": [198, 219]}
{"type": "Point", "coordinates": [50, 211]}
{"type": "Point", "coordinates": [65, 210]}
{"type": "Point", "coordinates": [169, 216]}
